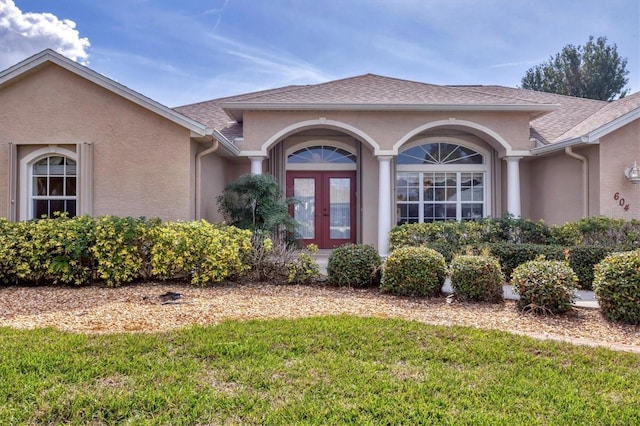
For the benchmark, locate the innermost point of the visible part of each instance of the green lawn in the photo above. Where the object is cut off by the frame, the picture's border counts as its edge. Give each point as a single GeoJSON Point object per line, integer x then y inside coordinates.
{"type": "Point", "coordinates": [330, 370]}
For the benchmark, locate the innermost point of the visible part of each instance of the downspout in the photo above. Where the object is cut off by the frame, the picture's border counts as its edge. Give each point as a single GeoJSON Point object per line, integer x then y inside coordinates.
{"type": "Point", "coordinates": [199, 156]}
{"type": "Point", "coordinates": [585, 178]}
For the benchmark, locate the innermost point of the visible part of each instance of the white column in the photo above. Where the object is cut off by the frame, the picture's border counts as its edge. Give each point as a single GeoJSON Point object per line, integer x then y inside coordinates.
{"type": "Point", "coordinates": [256, 165]}
{"type": "Point", "coordinates": [513, 185]}
{"type": "Point", "coordinates": [384, 204]}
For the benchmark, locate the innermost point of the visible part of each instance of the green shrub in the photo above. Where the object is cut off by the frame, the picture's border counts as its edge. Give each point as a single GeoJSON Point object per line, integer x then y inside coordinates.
{"type": "Point", "coordinates": [617, 287]}
{"type": "Point", "coordinates": [122, 249]}
{"type": "Point", "coordinates": [199, 251]}
{"type": "Point", "coordinates": [413, 271]}
{"type": "Point", "coordinates": [453, 233]}
{"type": "Point", "coordinates": [9, 240]}
{"type": "Point", "coordinates": [354, 265]}
{"type": "Point", "coordinates": [304, 268]}
{"type": "Point", "coordinates": [476, 278]}
{"type": "Point", "coordinates": [511, 229]}
{"type": "Point", "coordinates": [512, 255]}
{"type": "Point", "coordinates": [600, 231]}
{"type": "Point", "coordinates": [544, 286]}
{"type": "Point", "coordinates": [583, 259]}
{"type": "Point", "coordinates": [277, 262]}
{"type": "Point", "coordinates": [447, 250]}
{"type": "Point", "coordinates": [52, 251]}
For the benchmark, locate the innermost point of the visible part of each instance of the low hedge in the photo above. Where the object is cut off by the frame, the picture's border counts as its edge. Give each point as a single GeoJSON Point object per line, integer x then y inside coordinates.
{"type": "Point", "coordinates": [115, 250]}
{"type": "Point", "coordinates": [512, 255]}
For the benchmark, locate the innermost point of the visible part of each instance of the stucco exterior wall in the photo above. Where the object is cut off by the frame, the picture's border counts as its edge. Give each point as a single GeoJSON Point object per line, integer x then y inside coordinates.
{"type": "Point", "coordinates": [388, 128]}
{"type": "Point", "coordinates": [142, 163]}
{"type": "Point", "coordinates": [617, 151]}
{"type": "Point", "coordinates": [213, 183]}
{"type": "Point", "coordinates": [556, 186]}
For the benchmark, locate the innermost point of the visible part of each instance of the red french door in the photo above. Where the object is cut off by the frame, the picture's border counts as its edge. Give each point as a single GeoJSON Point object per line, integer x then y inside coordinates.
{"type": "Point", "coordinates": [325, 207]}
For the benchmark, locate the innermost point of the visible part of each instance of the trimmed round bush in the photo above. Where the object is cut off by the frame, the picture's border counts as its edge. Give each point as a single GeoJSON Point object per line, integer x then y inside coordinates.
{"type": "Point", "coordinates": [617, 287]}
{"type": "Point", "coordinates": [413, 271]}
{"type": "Point", "coordinates": [476, 278]}
{"type": "Point", "coordinates": [545, 286]}
{"type": "Point", "coordinates": [354, 265]}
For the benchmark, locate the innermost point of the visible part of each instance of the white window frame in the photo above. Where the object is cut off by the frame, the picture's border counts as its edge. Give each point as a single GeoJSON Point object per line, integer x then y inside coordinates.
{"type": "Point", "coordinates": [26, 177]}
{"type": "Point", "coordinates": [484, 168]}
{"type": "Point", "coordinates": [321, 166]}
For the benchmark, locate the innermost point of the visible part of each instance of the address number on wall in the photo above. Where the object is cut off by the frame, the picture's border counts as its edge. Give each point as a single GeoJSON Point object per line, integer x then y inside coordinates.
{"type": "Point", "coordinates": [621, 201]}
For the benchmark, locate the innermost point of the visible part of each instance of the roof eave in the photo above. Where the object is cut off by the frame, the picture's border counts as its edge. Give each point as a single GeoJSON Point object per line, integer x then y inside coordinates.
{"type": "Point", "coordinates": [591, 138]}
{"type": "Point", "coordinates": [235, 109]}
{"type": "Point", "coordinates": [224, 141]}
{"type": "Point", "coordinates": [558, 146]}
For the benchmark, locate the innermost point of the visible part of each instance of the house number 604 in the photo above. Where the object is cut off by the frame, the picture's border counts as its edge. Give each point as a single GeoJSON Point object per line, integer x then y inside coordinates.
{"type": "Point", "coordinates": [621, 201]}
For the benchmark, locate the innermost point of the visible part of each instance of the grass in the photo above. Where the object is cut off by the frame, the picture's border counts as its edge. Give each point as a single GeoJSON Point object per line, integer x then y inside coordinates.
{"type": "Point", "coordinates": [328, 370]}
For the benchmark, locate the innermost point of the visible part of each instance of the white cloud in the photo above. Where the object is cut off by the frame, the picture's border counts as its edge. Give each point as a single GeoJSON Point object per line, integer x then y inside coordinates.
{"type": "Point", "coordinates": [24, 34]}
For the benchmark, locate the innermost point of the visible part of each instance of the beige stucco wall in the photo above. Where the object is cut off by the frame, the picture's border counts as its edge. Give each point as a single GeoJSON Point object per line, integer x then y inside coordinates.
{"type": "Point", "coordinates": [555, 185]}
{"type": "Point", "coordinates": [142, 162]}
{"type": "Point", "coordinates": [213, 183]}
{"type": "Point", "coordinates": [387, 128]}
{"type": "Point", "coordinates": [617, 151]}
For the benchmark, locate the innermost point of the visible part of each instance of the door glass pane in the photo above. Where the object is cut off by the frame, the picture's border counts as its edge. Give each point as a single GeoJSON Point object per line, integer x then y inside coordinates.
{"type": "Point", "coordinates": [340, 208]}
{"type": "Point", "coordinates": [304, 191]}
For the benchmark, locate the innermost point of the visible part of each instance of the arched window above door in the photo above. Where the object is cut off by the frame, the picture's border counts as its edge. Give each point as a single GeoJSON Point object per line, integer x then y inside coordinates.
{"type": "Point", "coordinates": [440, 153]}
{"type": "Point", "coordinates": [321, 154]}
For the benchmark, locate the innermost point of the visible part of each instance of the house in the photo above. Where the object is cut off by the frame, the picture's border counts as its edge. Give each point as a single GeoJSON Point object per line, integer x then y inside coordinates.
{"type": "Point", "coordinates": [361, 154]}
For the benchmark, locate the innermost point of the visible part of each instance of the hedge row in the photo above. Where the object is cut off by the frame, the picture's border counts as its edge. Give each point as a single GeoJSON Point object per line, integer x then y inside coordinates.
{"type": "Point", "coordinates": [514, 241]}
{"type": "Point", "coordinates": [116, 250]}
{"type": "Point", "coordinates": [594, 231]}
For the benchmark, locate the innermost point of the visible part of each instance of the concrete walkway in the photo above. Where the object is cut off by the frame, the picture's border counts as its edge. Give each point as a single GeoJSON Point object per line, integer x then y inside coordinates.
{"type": "Point", "coordinates": [584, 298]}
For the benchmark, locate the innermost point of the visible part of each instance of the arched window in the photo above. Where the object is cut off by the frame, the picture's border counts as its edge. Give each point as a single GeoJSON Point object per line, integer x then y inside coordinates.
{"type": "Point", "coordinates": [321, 154]}
{"type": "Point", "coordinates": [53, 186]}
{"type": "Point", "coordinates": [441, 181]}
{"type": "Point", "coordinates": [440, 153]}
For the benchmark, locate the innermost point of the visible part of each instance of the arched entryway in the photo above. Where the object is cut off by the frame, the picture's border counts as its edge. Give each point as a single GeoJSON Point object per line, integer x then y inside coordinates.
{"type": "Point", "coordinates": [322, 177]}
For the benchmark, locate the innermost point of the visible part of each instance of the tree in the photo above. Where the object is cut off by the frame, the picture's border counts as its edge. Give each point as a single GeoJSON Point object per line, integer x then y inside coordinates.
{"type": "Point", "coordinates": [593, 71]}
{"type": "Point", "coordinates": [255, 202]}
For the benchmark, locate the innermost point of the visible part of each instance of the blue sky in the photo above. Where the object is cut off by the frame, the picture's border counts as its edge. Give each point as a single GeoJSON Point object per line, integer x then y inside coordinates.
{"type": "Point", "coordinates": [179, 52]}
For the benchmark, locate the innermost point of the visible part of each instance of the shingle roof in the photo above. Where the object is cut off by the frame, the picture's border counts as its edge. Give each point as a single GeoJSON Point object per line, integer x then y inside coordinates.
{"type": "Point", "coordinates": [610, 112]}
{"type": "Point", "coordinates": [571, 117]}
{"type": "Point", "coordinates": [211, 114]}
{"type": "Point", "coordinates": [548, 128]}
{"type": "Point", "coordinates": [371, 89]}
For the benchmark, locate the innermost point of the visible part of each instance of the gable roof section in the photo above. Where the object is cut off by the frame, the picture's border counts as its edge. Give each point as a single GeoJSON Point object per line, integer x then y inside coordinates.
{"type": "Point", "coordinates": [372, 92]}
{"type": "Point", "coordinates": [609, 118]}
{"type": "Point", "coordinates": [49, 56]}
{"type": "Point", "coordinates": [605, 120]}
{"type": "Point", "coordinates": [548, 128]}
{"type": "Point", "coordinates": [213, 115]}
